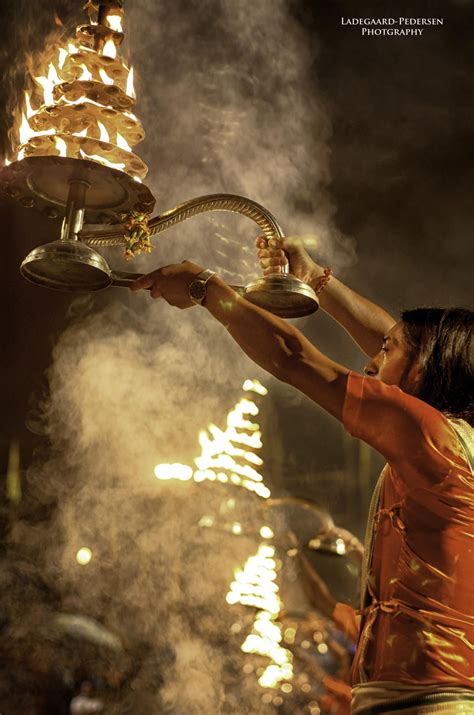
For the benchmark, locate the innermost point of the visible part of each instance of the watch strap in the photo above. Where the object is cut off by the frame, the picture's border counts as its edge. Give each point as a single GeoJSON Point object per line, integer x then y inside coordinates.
{"type": "Point", "coordinates": [197, 289]}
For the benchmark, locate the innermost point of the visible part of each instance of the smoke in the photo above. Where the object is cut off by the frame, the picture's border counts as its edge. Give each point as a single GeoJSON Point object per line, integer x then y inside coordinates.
{"type": "Point", "coordinates": [227, 98]}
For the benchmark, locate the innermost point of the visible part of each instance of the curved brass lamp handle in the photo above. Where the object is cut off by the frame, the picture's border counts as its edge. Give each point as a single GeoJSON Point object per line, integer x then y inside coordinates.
{"type": "Point", "coordinates": [199, 205]}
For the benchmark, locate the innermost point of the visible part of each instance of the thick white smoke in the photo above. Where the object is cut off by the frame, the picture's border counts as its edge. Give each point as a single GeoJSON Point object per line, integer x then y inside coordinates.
{"type": "Point", "coordinates": [227, 97]}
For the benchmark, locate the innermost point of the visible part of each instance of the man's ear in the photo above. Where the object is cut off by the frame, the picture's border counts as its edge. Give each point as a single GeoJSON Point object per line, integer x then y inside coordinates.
{"type": "Point", "coordinates": [415, 377]}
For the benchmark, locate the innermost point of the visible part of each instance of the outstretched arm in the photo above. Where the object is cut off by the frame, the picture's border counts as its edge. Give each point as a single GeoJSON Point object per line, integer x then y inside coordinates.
{"type": "Point", "coordinates": [269, 341]}
{"type": "Point", "coordinates": [365, 321]}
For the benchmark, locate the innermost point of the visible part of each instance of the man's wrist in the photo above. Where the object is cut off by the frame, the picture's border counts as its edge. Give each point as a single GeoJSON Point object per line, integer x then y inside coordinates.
{"type": "Point", "coordinates": [316, 274]}
{"type": "Point", "coordinates": [218, 292]}
{"type": "Point", "coordinates": [198, 287]}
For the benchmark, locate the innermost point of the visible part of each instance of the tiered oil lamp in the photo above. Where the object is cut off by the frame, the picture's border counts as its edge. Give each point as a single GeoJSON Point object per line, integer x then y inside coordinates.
{"type": "Point", "coordinates": [75, 158]}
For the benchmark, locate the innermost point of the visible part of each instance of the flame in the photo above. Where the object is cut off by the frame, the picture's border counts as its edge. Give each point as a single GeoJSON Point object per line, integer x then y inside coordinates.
{"type": "Point", "coordinates": [114, 22]}
{"type": "Point", "coordinates": [254, 386]}
{"type": "Point", "coordinates": [84, 556]}
{"type": "Point", "coordinates": [266, 532]}
{"type": "Point", "coordinates": [254, 585]}
{"type": "Point", "coordinates": [62, 54]}
{"type": "Point", "coordinates": [173, 471]}
{"type": "Point", "coordinates": [61, 146]}
{"type": "Point", "coordinates": [122, 143]}
{"type": "Point", "coordinates": [25, 129]}
{"type": "Point", "coordinates": [72, 49]}
{"type": "Point", "coordinates": [6, 162]}
{"type": "Point", "coordinates": [26, 132]}
{"type": "Point", "coordinates": [81, 134]}
{"type": "Point", "coordinates": [109, 49]}
{"type": "Point", "coordinates": [220, 450]}
{"type": "Point", "coordinates": [101, 160]}
{"type": "Point", "coordinates": [48, 83]}
{"type": "Point", "coordinates": [105, 77]}
{"type": "Point", "coordinates": [81, 100]}
{"type": "Point", "coordinates": [130, 115]}
{"type": "Point", "coordinates": [29, 110]}
{"type": "Point", "coordinates": [130, 89]}
{"type": "Point", "coordinates": [86, 75]}
{"type": "Point", "coordinates": [104, 134]}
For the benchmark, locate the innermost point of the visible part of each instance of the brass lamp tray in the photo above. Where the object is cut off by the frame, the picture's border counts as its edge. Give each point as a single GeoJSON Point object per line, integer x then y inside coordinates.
{"type": "Point", "coordinates": [108, 94]}
{"type": "Point", "coordinates": [90, 34]}
{"type": "Point", "coordinates": [73, 69]}
{"type": "Point", "coordinates": [70, 118]}
{"type": "Point", "coordinates": [45, 145]}
{"type": "Point", "coordinates": [42, 183]}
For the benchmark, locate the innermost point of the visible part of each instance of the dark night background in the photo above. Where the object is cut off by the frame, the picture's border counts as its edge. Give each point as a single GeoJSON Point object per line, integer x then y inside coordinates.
{"type": "Point", "coordinates": [400, 165]}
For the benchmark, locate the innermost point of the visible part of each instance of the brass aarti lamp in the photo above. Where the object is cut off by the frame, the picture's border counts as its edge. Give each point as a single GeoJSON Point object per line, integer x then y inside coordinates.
{"type": "Point", "coordinates": [75, 158]}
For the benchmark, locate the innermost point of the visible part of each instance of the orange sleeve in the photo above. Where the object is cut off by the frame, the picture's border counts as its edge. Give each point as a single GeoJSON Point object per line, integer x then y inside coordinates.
{"type": "Point", "coordinates": [347, 620]}
{"type": "Point", "coordinates": [408, 432]}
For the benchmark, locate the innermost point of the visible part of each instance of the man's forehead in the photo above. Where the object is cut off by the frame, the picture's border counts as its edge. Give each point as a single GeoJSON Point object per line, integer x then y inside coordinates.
{"type": "Point", "coordinates": [395, 335]}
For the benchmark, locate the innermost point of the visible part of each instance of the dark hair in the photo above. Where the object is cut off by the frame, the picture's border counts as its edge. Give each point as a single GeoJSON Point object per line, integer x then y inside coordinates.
{"type": "Point", "coordinates": [442, 340]}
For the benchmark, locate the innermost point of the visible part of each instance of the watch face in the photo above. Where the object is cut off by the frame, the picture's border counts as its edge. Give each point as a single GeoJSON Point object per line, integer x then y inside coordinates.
{"type": "Point", "coordinates": [197, 291]}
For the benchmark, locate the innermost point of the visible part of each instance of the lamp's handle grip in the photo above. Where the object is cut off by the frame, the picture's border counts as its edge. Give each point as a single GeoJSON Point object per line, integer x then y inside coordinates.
{"type": "Point", "coordinates": [123, 279]}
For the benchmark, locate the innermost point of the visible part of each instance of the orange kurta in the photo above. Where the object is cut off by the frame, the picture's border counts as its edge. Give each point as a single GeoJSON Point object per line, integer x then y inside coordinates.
{"type": "Point", "coordinates": [418, 620]}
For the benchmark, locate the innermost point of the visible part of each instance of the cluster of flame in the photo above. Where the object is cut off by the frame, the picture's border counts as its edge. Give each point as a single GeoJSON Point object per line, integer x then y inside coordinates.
{"type": "Point", "coordinates": [222, 448]}
{"type": "Point", "coordinates": [81, 101]}
{"type": "Point", "coordinates": [254, 585]}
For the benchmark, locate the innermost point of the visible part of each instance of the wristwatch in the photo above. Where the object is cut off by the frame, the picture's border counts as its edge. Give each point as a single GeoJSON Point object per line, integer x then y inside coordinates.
{"type": "Point", "coordinates": [198, 288]}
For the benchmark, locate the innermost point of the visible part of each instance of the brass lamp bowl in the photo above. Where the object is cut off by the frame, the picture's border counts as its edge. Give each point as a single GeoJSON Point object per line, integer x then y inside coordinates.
{"type": "Point", "coordinates": [72, 266]}
{"type": "Point", "coordinates": [68, 266]}
{"type": "Point", "coordinates": [283, 294]}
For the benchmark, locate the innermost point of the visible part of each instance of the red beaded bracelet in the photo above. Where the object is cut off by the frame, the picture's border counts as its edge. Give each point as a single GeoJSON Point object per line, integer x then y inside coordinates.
{"type": "Point", "coordinates": [324, 280]}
